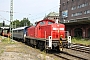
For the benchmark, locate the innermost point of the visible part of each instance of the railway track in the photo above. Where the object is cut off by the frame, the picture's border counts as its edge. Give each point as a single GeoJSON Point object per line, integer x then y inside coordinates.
{"type": "Point", "coordinates": [76, 52]}
{"type": "Point", "coordinates": [81, 48]}
{"type": "Point", "coordinates": [69, 56]}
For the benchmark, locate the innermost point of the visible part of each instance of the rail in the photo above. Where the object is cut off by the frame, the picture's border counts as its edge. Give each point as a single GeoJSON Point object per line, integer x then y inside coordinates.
{"type": "Point", "coordinates": [81, 48]}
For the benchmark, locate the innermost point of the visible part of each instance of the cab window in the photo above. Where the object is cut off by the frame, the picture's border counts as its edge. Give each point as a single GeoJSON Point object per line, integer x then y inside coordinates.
{"type": "Point", "coordinates": [42, 23]}
{"type": "Point", "coordinates": [50, 22]}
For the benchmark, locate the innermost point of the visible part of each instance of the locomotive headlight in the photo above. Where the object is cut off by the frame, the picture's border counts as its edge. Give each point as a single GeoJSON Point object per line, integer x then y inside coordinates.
{"type": "Point", "coordinates": [61, 35]}
{"type": "Point", "coordinates": [61, 28]}
{"type": "Point", "coordinates": [54, 28]}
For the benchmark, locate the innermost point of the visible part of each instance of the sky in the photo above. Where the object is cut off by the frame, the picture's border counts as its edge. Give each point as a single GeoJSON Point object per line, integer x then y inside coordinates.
{"type": "Point", "coordinates": [35, 10]}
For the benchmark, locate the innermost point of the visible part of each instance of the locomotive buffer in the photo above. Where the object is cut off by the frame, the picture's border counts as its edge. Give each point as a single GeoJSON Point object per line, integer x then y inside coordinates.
{"type": "Point", "coordinates": [68, 44]}
{"type": "Point", "coordinates": [60, 45]}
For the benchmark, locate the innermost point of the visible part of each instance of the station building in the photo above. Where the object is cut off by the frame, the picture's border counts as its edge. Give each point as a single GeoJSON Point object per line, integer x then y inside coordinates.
{"type": "Point", "coordinates": [75, 14]}
{"type": "Point", "coordinates": [52, 16]}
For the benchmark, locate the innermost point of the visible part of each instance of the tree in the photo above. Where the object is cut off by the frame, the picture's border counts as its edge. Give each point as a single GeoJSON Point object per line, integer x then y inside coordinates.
{"type": "Point", "coordinates": [16, 23]}
{"type": "Point", "coordinates": [25, 22]}
{"type": "Point", "coordinates": [0, 24]}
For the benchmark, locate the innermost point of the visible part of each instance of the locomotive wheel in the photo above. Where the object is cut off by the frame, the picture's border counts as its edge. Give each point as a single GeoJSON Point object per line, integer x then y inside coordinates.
{"type": "Point", "coordinates": [42, 48]}
{"type": "Point", "coordinates": [22, 41]}
{"type": "Point", "coordinates": [59, 49]}
{"type": "Point", "coordinates": [47, 51]}
{"type": "Point", "coordinates": [37, 45]}
{"type": "Point", "coordinates": [41, 45]}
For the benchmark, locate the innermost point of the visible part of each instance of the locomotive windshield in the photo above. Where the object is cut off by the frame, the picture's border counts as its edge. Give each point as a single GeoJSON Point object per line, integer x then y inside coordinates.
{"type": "Point", "coordinates": [42, 23]}
{"type": "Point", "coordinates": [50, 22]}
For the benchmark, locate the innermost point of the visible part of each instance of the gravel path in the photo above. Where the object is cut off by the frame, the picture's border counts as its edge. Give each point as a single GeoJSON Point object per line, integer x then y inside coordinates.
{"type": "Point", "coordinates": [20, 51]}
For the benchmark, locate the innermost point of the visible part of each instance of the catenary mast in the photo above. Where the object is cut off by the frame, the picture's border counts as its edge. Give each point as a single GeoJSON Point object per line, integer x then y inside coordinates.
{"type": "Point", "coordinates": [11, 18]}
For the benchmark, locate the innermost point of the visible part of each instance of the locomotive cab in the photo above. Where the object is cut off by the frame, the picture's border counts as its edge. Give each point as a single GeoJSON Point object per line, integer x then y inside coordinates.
{"type": "Point", "coordinates": [46, 28]}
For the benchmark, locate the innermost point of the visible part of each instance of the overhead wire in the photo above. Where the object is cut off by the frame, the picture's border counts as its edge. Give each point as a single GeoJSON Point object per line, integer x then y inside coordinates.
{"type": "Point", "coordinates": [42, 13]}
{"type": "Point", "coordinates": [4, 18]}
{"type": "Point", "coordinates": [13, 12]}
{"type": "Point", "coordinates": [31, 14]}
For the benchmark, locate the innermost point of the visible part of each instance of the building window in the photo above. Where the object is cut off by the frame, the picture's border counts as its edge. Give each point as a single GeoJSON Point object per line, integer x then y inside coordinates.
{"type": "Point", "coordinates": [87, 12]}
{"type": "Point", "coordinates": [65, 13]}
{"type": "Point", "coordinates": [73, 0]}
{"type": "Point", "coordinates": [79, 13]}
{"type": "Point", "coordinates": [76, 14]}
{"type": "Point", "coordinates": [79, 6]}
{"type": "Point", "coordinates": [63, 3]}
{"type": "Point", "coordinates": [67, 2]}
{"type": "Point", "coordinates": [82, 5]}
{"type": "Point", "coordinates": [86, 4]}
{"type": "Point", "coordinates": [73, 8]}
{"type": "Point", "coordinates": [72, 14]}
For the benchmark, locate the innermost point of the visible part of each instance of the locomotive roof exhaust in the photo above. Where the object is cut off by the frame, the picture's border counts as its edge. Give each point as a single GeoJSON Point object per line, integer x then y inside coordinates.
{"type": "Point", "coordinates": [56, 21]}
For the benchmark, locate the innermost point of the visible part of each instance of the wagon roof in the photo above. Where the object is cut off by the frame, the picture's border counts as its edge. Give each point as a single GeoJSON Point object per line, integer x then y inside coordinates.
{"type": "Point", "coordinates": [20, 28]}
{"type": "Point", "coordinates": [4, 27]}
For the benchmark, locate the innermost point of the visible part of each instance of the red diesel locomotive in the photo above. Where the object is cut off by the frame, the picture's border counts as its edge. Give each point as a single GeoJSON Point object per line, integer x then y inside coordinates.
{"type": "Point", "coordinates": [46, 34]}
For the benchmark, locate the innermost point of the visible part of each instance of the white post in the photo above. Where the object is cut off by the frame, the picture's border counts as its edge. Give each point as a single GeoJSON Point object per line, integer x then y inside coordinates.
{"type": "Point", "coordinates": [69, 41]}
{"type": "Point", "coordinates": [50, 41]}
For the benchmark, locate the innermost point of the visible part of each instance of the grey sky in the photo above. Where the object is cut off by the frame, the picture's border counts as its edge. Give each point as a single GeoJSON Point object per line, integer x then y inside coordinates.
{"type": "Point", "coordinates": [32, 9]}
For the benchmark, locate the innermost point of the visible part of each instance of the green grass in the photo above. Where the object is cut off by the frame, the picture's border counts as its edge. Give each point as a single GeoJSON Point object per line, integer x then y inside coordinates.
{"type": "Point", "coordinates": [1, 51]}
{"type": "Point", "coordinates": [81, 41]}
{"type": "Point", "coordinates": [6, 40]}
